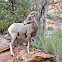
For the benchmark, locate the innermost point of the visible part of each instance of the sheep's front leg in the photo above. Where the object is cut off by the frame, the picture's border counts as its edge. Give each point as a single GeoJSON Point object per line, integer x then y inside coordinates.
{"type": "Point", "coordinates": [29, 42]}
{"type": "Point", "coordinates": [28, 47]}
{"type": "Point", "coordinates": [11, 44]}
{"type": "Point", "coordinates": [11, 49]}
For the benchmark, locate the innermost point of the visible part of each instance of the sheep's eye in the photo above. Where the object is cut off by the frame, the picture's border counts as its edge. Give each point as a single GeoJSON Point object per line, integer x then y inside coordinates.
{"type": "Point", "coordinates": [34, 15]}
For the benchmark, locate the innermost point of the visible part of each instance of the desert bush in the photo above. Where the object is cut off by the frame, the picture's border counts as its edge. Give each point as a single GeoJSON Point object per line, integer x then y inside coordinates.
{"type": "Point", "coordinates": [4, 25]}
{"type": "Point", "coordinates": [54, 17]}
{"type": "Point", "coordinates": [7, 16]}
{"type": "Point", "coordinates": [61, 6]}
{"type": "Point", "coordinates": [1, 25]}
{"type": "Point", "coordinates": [51, 44]}
{"type": "Point", "coordinates": [50, 28]}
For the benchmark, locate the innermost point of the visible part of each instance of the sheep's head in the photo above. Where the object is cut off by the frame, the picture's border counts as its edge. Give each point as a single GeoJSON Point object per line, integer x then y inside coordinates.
{"type": "Point", "coordinates": [30, 18]}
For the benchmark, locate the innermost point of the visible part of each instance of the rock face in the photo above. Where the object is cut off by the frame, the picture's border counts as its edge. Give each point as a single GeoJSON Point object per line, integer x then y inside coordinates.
{"type": "Point", "coordinates": [35, 57]}
{"type": "Point", "coordinates": [3, 41]}
{"type": "Point", "coordinates": [4, 47]}
{"type": "Point", "coordinates": [4, 44]}
{"type": "Point", "coordinates": [40, 57]}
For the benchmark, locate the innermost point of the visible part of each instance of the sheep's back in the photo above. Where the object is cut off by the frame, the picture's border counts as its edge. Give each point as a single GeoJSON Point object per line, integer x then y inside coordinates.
{"type": "Point", "coordinates": [19, 28]}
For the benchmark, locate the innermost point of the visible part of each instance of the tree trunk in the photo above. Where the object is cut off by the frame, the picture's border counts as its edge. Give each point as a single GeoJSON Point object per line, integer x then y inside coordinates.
{"type": "Point", "coordinates": [12, 8]}
{"type": "Point", "coordinates": [40, 16]}
{"type": "Point", "coordinates": [44, 20]}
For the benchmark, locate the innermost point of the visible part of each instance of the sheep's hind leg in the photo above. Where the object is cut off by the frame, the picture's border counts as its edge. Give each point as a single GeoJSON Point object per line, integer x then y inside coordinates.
{"type": "Point", "coordinates": [12, 42]}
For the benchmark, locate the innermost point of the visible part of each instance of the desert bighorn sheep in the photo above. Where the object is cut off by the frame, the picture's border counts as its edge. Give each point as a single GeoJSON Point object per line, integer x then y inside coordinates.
{"type": "Point", "coordinates": [27, 30]}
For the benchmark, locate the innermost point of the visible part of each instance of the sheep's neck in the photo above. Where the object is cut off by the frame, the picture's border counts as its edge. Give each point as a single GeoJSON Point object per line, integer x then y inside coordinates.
{"type": "Point", "coordinates": [35, 25]}
{"type": "Point", "coordinates": [35, 28]}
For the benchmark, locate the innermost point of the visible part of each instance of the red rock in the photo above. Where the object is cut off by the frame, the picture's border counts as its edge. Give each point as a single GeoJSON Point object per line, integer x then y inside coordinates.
{"type": "Point", "coordinates": [23, 56]}
{"type": "Point", "coordinates": [4, 47]}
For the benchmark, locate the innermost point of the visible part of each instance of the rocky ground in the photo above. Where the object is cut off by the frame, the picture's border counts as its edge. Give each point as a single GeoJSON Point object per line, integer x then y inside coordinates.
{"type": "Point", "coordinates": [21, 53]}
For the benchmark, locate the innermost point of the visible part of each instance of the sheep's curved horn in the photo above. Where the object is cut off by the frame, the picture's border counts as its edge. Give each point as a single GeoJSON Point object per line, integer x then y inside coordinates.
{"type": "Point", "coordinates": [29, 19]}
{"type": "Point", "coordinates": [32, 13]}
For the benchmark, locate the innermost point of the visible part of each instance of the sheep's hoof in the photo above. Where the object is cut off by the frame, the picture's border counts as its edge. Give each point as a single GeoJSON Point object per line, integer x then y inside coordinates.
{"type": "Point", "coordinates": [13, 55]}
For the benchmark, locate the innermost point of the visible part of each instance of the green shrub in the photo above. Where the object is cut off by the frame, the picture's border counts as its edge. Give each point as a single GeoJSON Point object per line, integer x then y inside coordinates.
{"type": "Point", "coordinates": [61, 6]}
{"type": "Point", "coordinates": [4, 25]}
{"type": "Point", "coordinates": [3, 12]}
{"type": "Point", "coordinates": [50, 28]}
{"type": "Point", "coordinates": [1, 25]}
{"type": "Point", "coordinates": [51, 44]}
{"type": "Point", "coordinates": [4, 5]}
{"type": "Point", "coordinates": [54, 17]}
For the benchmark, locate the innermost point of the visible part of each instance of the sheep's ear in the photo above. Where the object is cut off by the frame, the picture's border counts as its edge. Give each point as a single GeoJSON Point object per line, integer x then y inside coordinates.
{"type": "Point", "coordinates": [29, 18]}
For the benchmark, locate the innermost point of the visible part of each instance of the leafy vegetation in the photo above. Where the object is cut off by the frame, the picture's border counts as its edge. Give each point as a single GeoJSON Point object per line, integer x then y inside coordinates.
{"type": "Point", "coordinates": [10, 14]}
{"type": "Point", "coordinates": [4, 25]}
{"type": "Point", "coordinates": [51, 44]}
{"type": "Point", "coordinates": [54, 17]}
